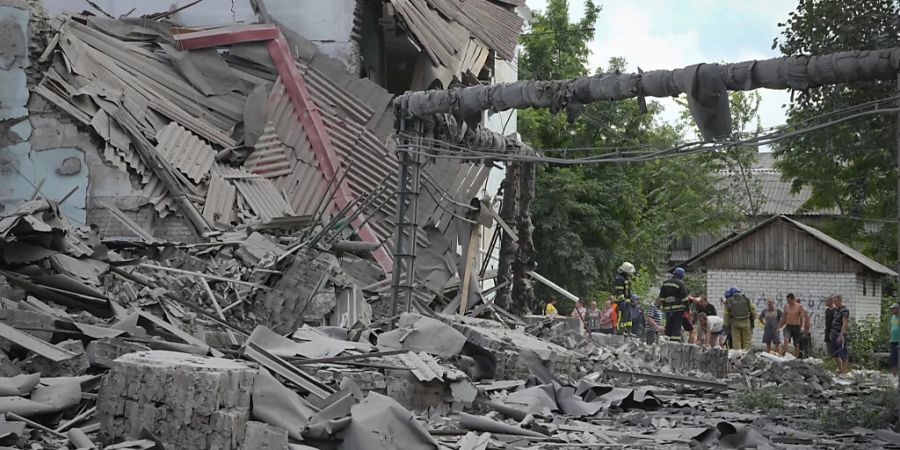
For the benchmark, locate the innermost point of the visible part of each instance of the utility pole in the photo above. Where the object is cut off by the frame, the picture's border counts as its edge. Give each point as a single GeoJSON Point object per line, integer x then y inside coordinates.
{"type": "Point", "coordinates": [403, 276]}
{"type": "Point", "coordinates": [897, 286]}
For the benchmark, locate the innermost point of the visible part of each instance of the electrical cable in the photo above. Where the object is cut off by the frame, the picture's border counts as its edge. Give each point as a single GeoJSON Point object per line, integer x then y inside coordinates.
{"type": "Point", "coordinates": [459, 152]}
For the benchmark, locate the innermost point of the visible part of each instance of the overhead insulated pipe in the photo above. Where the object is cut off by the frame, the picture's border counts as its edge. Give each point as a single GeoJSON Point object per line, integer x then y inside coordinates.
{"type": "Point", "coordinates": [706, 87]}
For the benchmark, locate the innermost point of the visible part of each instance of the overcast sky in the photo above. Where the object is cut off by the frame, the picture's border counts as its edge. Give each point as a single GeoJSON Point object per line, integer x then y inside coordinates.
{"type": "Point", "coordinates": [668, 34]}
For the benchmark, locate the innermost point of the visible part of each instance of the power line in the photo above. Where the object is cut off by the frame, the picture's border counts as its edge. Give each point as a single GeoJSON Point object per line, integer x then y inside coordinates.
{"type": "Point", "coordinates": [557, 32]}
{"type": "Point", "coordinates": [443, 149]}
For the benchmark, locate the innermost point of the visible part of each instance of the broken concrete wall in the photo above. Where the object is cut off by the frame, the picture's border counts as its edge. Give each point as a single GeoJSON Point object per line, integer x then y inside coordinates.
{"type": "Point", "coordinates": [511, 347]}
{"type": "Point", "coordinates": [30, 164]}
{"type": "Point", "coordinates": [674, 356]}
{"type": "Point", "coordinates": [44, 153]}
{"type": "Point", "coordinates": [13, 58]}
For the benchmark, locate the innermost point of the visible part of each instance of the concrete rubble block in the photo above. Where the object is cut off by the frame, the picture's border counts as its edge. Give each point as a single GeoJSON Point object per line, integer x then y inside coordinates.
{"type": "Point", "coordinates": [262, 436]}
{"type": "Point", "coordinates": [687, 357]}
{"type": "Point", "coordinates": [102, 352]}
{"type": "Point", "coordinates": [286, 303]}
{"type": "Point", "coordinates": [407, 390]}
{"type": "Point", "coordinates": [609, 340]}
{"type": "Point", "coordinates": [255, 248]}
{"type": "Point", "coordinates": [187, 401]}
{"type": "Point", "coordinates": [67, 368]}
{"type": "Point", "coordinates": [367, 380]}
{"type": "Point", "coordinates": [508, 345]}
{"type": "Point", "coordinates": [572, 323]}
{"type": "Point", "coordinates": [29, 322]}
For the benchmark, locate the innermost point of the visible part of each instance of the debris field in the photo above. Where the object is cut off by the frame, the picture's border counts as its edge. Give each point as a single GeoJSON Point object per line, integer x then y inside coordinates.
{"type": "Point", "coordinates": [273, 330]}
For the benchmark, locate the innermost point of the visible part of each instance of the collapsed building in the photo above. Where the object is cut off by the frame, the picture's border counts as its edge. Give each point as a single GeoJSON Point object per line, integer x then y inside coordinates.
{"type": "Point", "coordinates": [199, 226]}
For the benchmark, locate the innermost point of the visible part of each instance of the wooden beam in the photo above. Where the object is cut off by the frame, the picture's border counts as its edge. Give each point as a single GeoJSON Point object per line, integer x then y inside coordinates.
{"type": "Point", "coordinates": [467, 272]}
{"type": "Point", "coordinates": [235, 34]}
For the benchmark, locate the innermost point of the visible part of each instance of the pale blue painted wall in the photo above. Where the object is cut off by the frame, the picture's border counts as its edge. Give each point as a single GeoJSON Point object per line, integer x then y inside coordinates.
{"type": "Point", "coordinates": [13, 61]}
{"type": "Point", "coordinates": [21, 167]}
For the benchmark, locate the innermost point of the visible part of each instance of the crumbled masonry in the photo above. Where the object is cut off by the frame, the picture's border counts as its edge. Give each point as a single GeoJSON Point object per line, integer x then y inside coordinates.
{"type": "Point", "coordinates": [158, 368]}
{"type": "Point", "coordinates": [243, 302]}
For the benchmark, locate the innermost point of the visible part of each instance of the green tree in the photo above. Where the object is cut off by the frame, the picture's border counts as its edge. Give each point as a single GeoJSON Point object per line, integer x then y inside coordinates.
{"type": "Point", "coordinates": [732, 166]}
{"type": "Point", "coordinates": [590, 218]}
{"type": "Point", "coordinates": [850, 167]}
{"type": "Point", "coordinates": [555, 47]}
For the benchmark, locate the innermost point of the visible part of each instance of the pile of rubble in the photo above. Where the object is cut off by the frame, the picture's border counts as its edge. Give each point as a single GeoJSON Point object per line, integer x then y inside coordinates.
{"type": "Point", "coordinates": [807, 376]}
{"type": "Point", "coordinates": [270, 332]}
{"type": "Point", "coordinates": [109, 346]}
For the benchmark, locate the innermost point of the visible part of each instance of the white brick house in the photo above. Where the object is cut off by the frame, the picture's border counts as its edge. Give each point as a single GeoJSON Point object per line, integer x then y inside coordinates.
{"type": "Point", "coordinates": [781, 256]}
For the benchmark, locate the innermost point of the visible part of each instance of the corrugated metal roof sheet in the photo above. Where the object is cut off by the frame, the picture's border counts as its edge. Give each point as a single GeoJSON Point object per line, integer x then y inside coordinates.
{"type": "Point", "coordinates": [443, 39]}
{"type": "Point", "coordinates": [155, 192]}
{"type": "Point", "coordinates": [263, 197]}
{"type": "Point", "coordinates": [372, 161]}
{"type": "Point", "coordinates": [424, 366]}
{"type": "Point", "coordinates": [496, 26]}
{"type": "Point", "coordinates": [326, 92]}
{"type": "Point", "coordinates": [444, 27]}
{"type": "Point", "coordinates": [218, 210]}
{"type": "Point", "coordinates": [259, 193]}
{"type": "Point", "coordinates": [457, 183]}
{"type": "Point", "coordinates": [187, 153]}
{"type": "Point", "coordinates": [305, 185]}
{"type": "Point", "coordinates": [269, 157]}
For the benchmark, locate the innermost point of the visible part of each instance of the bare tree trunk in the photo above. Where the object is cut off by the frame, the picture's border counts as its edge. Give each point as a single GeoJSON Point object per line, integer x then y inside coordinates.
{"type": "Point", "coordinates": [523, 291]}
{"type": "Point", "coordinates": [509, 248]}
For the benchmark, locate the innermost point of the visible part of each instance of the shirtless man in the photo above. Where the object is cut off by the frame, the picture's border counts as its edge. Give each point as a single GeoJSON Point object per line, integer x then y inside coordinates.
{"type": "Point", "coordinates": [795, 323]}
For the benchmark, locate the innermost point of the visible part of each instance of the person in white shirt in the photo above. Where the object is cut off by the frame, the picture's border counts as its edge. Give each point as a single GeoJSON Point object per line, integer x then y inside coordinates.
{"type": "Point", "coordinates": [579, 310]}
{"type": "Point", "coordinates": [712, 330]}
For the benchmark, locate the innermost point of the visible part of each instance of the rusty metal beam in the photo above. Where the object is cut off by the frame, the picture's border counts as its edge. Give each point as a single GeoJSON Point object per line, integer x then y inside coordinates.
{"type": "Point", "coordinates": [309, 116]}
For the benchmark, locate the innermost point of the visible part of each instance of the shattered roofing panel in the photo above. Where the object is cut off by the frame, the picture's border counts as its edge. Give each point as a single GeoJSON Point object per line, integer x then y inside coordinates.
{"type": "Point", "coordinates": [494, 25]}
{"type": "Point", "coordinates": [305, 185]}
{"type": "Point", "coordinates": [442, 39]}
{"type": "Point", "coordinates": [269, 157]}
{"type": "Point", "coordinates": [155, 191]}
{"type": "Point", "coordinates": [147, 74]}
{"type": "Point", "coordinates": [260, 194]}
{"type": "Point", "coordinates": [326, 91]}
{"type": "Point", "coordinates": [457, 185]}
{"type": "Point", "coordinates": [444, 26]}
{"type": "Point", "coordinates": [219, 205]}
{"type": "Point", "coordinates": [185, 151]}
{"type": "Point", "coordinates": [373, 163]}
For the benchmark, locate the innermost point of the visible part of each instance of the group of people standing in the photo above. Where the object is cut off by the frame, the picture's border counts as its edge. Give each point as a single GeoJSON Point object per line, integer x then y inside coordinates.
{"type": "Point", "coordinates": [677, 314]}
{"type": "Point", "coordinates": [621, 313]}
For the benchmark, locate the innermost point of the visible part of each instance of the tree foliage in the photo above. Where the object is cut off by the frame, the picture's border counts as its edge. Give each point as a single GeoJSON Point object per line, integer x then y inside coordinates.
{"type": "Point", "coordinates": [850, 167]}
{"type": "Point", "coordinates": [590, 218]}
{"type": "Point", "coordinates": [734, 165]}
{"type": "Point", "coordinates": [557, 48]}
